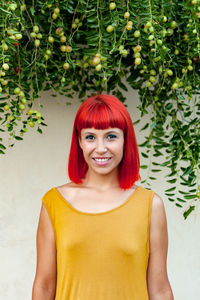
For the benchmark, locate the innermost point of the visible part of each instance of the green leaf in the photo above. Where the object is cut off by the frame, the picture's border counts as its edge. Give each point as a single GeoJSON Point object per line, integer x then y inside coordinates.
{"type": "Point", "coordinates": [122, 86]}
{"type": "Point", "coordinates": [155, 164]}
{"type": "Point", "coordinates": [18, 138]}
{"type": "Point", "coordinates": [165, 163]}
{"type": "Point", "coordinates": [188, 171]}
{"type": "Point", "coordinates": [143, 166]}
{"type": "Point", "coordinates": [172, 180]}
{"type": "Point", "coordinates": [153, 125]}
{"type": "Point", "coordinates": [169, 194]}
{"type": "Point", "coordinates": [144, 155]}
{"type": "Point", "coordinates": [190, 196]}
{"type": "Point", "coordinates": [32, 10]}
{"type": "Point", "coordinates": [187, 212]}
{"type": "Point", "coordinates": [145, 126]}
{"type": "Point", "coordinates": [184, 193]}
{"type": "Point", "coordinates": [5, 11]}
{"type": "Point", "coordinates": [181, 200]}
{"type": "Point", "coordinates": [158, 153]}
{"type": "Point", "coordinates": [171, 189]}
{"type": "Point", "coordinates": [2, 147]}
{"type": "Point", "coordinates": [144, 144]}
{"type": "Point", "coordinates": [43, 124]}
{"type": "Point", "coordinates": [39, 130]}
{"type": "Point", "coordinates": [170, 199]}
{"type": "Point", "coordinates": [136, 122]}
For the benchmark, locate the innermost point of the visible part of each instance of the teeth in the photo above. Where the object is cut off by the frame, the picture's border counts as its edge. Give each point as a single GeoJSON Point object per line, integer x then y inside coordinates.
{"type": "Point", "coordinates": [101, 159]}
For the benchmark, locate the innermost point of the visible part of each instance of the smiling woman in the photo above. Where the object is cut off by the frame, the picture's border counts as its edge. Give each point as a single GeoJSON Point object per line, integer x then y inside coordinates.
{"type": "Point", "coordinates": [107, 151]}
{"type": "Point", "coordinates": [104, 114]}
{"type": "Point", "coordinates": [100, 236]}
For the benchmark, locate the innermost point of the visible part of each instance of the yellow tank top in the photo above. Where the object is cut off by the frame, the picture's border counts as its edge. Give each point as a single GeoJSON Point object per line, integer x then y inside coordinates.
{"type": "Point", "coordinates": [101, 256]}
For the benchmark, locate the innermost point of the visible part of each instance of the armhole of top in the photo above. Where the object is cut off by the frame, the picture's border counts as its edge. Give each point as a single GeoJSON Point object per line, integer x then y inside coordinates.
{"type": "Point", "coordinates": [150, 201]}
{"type": "Point", "coordinates": [47, 203]}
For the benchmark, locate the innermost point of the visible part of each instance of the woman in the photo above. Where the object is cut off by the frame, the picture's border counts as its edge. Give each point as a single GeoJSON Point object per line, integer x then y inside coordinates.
{"type": "Point", "coordinates": [100, 236]}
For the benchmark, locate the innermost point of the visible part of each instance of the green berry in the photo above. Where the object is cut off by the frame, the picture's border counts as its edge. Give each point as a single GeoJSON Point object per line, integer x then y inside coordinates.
{"type": "Point", "coordinates": [138, 61]}
{"type": "Point", "coordinates": [6, 107]}
{"type": "Point", "coordinates": [37, 43]}
{"type": "Point", "coordinates": [112, 5]}
{"type": "Point", "coordinates": [136, 33]}
{"type": "Point", "coordinates": [17, 91]}
{"type": "Point", "coordinates": [22, 106]}
{"type": "Point", "coordinates": [126, 15]}
{"type": "Point", "coordinates": [152, 78]}
{"type": "Point", "coordinates": [109, 28]}
{"type": "Point", "coordinates": [175, 86]}
{"type": "Point", "coordinates": [5, 67]}
{"type": "Point", "coordinates": [31, 123]}
{"type": "Point", "coordinates": [164, 19]}
{"type": "Point", "coordinates": [98, 67]}
{"type": "Point", "coordinates": [35, 29]}
{"type": "Point", "coordinates": [190, 68]}
{"type": "Point", "coordinates": [151, 37]}
{"type": "Point", "coordinates": [169, 72]}
{"type": "Point", "coordinates": [173, 24]}
{"type": "Point", "coordinates": [152, 72]}
{"type": "Point", "coordinates": [33, 34]}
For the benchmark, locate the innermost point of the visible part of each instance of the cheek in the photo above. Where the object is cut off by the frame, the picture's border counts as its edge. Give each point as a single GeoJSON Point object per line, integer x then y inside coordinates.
{"type": "Point", "coordinates": [121, 149]}
{"type": "Point", "coordinates": [86, 147]}
{"type": "Point", "coordinates": [118, 146]}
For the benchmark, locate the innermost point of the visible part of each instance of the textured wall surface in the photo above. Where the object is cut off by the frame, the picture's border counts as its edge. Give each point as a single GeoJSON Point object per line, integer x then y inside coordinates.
{"type": "Point", "coordinates": [37, 164]}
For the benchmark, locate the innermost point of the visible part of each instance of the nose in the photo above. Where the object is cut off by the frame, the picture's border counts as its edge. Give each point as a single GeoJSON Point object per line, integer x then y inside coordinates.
{"type": "Point", "coordinates": [100, 146]}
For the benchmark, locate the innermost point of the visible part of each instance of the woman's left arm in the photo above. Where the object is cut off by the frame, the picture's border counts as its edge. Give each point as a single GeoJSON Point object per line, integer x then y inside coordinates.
{"type": "Point", "coordinates": [157, 279]}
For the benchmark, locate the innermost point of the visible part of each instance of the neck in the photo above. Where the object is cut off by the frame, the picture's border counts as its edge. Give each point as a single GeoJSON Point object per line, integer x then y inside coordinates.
{"type": "Point", "coordinates": [101, 182]}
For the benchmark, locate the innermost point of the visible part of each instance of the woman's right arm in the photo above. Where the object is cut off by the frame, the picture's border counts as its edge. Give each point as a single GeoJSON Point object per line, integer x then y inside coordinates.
{"type": "Point", "coordinates": [44, 286]}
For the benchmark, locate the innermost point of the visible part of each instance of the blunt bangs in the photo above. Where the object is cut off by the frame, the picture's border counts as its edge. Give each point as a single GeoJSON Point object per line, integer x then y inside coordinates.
{"type": "Point", "coordinates": [101, 116]}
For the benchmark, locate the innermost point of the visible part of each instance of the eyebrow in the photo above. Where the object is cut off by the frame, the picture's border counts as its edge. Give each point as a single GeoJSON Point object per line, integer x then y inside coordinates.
{"type": "Point", "coordinates": [105, 133]}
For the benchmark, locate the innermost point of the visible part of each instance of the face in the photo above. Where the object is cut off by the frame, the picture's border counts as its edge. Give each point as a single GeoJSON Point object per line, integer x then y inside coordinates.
{"type": "Point", "coordinates": [107, 144]}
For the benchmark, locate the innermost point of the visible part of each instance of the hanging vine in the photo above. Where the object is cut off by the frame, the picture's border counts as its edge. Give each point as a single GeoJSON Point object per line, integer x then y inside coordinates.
{"type": "Point", "coordinates": [78, 47]}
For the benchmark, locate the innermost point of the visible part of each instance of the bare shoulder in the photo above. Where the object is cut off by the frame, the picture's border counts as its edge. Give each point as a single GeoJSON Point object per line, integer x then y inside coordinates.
{"type": "Point", "coordinates": [68, 189]}
{"type": "Point", "coordinates": [158, 221]}
{"type": "Point", "coordinates": [66, 185]}
{"type": "Point", "coordinates": [158, 208]}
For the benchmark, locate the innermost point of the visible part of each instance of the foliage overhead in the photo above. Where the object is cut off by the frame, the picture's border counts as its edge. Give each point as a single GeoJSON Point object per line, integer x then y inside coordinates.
{"type": "Point", "coordinates": [75, 47]}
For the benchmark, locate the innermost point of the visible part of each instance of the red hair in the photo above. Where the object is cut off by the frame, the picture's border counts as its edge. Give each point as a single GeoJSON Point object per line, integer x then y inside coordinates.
{"type": "Point", "coordinates": [103, 111]}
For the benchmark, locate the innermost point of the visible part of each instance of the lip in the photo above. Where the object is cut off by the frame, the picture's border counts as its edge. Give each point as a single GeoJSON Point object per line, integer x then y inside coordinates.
{"type": "Point", "coordinates": [101, 157]}
{"type": "Point", "coordinates": [102, 163]}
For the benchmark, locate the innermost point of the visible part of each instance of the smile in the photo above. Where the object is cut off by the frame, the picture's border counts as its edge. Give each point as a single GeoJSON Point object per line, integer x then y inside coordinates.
{"type": "Point", "coordinates": [102, 161]}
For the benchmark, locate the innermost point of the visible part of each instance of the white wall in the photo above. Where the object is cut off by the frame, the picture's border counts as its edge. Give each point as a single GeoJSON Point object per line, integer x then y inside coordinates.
{"type": "Point", "coordinates": [38, 163]}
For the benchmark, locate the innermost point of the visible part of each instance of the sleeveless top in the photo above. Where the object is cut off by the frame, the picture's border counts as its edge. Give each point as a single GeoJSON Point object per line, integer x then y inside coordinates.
{"type": "Point", "coordinates": [101, 256]}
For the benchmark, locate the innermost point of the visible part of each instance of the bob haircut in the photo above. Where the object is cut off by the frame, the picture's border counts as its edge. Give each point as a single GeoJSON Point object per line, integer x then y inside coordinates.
{"type": "Point", "coordinates": [100, 112]}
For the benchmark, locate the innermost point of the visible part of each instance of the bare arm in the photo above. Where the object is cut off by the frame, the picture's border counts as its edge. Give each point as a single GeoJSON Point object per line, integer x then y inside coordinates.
{"type": "Point", "coordinates": [44, 286]}
{"type": "Point", "coordinates": [157, 279]}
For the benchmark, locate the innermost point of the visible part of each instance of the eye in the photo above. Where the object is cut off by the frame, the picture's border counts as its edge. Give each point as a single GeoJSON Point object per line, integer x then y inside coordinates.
{"type": "Point", "coordinates": [87, 137]}
{"type": "Point", "coordinates": [111, 135]}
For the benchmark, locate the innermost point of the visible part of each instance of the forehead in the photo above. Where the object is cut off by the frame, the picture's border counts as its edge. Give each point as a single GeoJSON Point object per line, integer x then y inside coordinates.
{"type": "Point", "coordinates": [97, 131]}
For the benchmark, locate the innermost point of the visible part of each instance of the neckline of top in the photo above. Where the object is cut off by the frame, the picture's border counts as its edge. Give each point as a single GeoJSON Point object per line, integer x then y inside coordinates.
{"type": "Point", "coordinates": [98, 213]}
